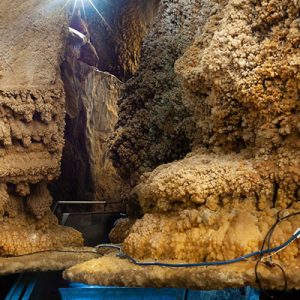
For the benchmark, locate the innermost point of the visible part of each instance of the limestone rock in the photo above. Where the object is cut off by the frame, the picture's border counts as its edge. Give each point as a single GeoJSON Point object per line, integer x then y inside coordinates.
{"type": "Point", "coordinates": [91, 106]}
{"type": "Point", "coordinates": [32, 35]}
{"type": "Point", "coordinates": [114, 271]}
{"type": "Point", "coordinates": [240, 83]}
{"type": "Point", "coordinates": [46, 261]}
{"type": "Point", "coordinates": [153, 126]}
{"type": "Point", "coordinates": [121, 230]}
{"type": "Point", "coordinates": [118, 36]}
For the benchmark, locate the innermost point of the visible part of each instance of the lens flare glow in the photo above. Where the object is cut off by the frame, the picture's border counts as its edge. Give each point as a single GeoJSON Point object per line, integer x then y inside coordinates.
{"type": "Point", "coordinates": [81, 5]}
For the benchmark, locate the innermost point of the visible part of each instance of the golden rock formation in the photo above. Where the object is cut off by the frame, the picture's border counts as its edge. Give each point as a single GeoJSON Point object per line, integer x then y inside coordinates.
{"type": "Point", "coordinates": [240, 82]}
{"type": "Point", "coordinates": [241, 78]}
{"type": "Point", "coordinates": [31, 126]}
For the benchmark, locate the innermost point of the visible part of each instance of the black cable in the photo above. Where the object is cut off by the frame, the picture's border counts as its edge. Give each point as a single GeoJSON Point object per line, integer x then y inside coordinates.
{"type": "Point", "coordinates": [258, 280]}
{"type": "Point", "coordinates": [284, 275]}
{"type": "Point", "coordinates": [212, 263]}
{"type": "Point", "coordinates": [278, 221]}
{"type": "Point", "coordinates": [270, 231]}
{"type": "Point", "coordinates": [271, 263]}
{"type": "Point", "coordinates": [58, 251]}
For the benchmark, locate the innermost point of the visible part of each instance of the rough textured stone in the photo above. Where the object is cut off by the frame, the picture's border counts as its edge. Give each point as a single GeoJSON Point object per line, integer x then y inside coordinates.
{"type": "Point", "coordinates": [121, 230]}
{"type": "Point", "coordinates": [153, 127]}
{"type": "Point", "coordinates": [242, 77]}
{"type": "Point", "coordinates": [91, 106]}
{"type": "Point", "coordinates": [32, 114]}
{"type": "Point", "coordinates": [118, 36]}
{"type": "Point", "coordinates": [240, 83]}
{"type": "Point", "coordinates": [46, 261]}
{"type": "Point", "coordinates": [113, 271]}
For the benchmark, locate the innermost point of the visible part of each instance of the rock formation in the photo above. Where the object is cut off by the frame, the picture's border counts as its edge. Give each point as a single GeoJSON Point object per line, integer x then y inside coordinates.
{"type": "Point", "coordinates": [91, 116]}
{"type": "Point", "coordinates": [208, 135]}
{"type": "Point", "coordinates": [109, 43]}
{"type": "Point", "coordinates": [241, 80]}
{"type": "Point", "coordinates": [118, 36]}
{"type": "Point", "coordinates": [236, 84]}
{"type": "Point", "coordinates": [97, 107]}
{"type": "Point", "coordinates": [32, 114]}
{"type": "Point", "coordinates": [91, 106]}
{"type": "Point", "coordinates": [154, 126]}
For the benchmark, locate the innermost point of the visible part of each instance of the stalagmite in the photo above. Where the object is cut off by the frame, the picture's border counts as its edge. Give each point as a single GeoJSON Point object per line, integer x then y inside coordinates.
{"type": "Point", "coordinates": [236, 73]}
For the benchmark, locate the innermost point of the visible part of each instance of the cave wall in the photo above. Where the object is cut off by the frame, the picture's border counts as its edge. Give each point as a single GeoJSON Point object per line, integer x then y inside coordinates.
{"type": "Point", "coordinates": [241, 83]}
{"type": "Point", "coordinates": [230, 70]}
{"type": "Point", "coordinates": [100, 48]}
{"type": "Point", "coordinates": [118, 35]}
{"type": "Point", "coordinates": [91, 115]}
{"type": "Point", "coordinates": [31, 125]}
{"type": "Point", "coordinates": [154, 126]}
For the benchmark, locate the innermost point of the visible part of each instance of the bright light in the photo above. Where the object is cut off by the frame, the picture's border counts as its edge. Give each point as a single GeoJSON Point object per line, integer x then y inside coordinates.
{"type": "Point", "coordinates": [81, 4]}
{"type": "Point", "coordinates": [98, 12]}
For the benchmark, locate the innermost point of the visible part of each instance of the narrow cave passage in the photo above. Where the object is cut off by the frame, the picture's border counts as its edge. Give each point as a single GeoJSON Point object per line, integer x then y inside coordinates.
{"type": "Point", "coordinates": [102, 53]}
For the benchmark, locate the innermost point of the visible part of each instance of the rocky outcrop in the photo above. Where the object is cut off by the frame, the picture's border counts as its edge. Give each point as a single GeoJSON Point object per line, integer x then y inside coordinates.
{"type": "Point", "coordinates": [110, 42]}
{"type": "Point", "coordinates": [91, 107]}
{"type": "Point", "coordinates": [118, 33]}
{"type": "Point", "coordinates": [154, 126]}
{"type": "Point", "coordinates": [111, 270]}
{"type": "Point", "coordinates": [46, 261]}
{"type": "Point", "coordinates": [31, 126]}
{"type": "Point", "coordinates": [239, 80]}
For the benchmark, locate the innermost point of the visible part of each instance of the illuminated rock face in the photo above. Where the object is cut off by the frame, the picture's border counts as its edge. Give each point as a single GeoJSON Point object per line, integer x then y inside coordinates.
{"type": "Point", "coordinates": [119, 38]}
{"type": "Point", "coordinates": [221, 78]}
{"type": "Point", "coordinates": [31, 125]}
{"type": "Point", "coordinates": [92, 95]}
{"type": "Point", "coordinates": [241, 84]}
{"type": "Point", "coordinates": [91, 107]}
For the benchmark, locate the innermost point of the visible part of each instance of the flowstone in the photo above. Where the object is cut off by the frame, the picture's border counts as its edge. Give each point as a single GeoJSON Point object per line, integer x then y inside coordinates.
{"type": "Point", "coordinates": [239, 79]}
{"type": "Point", "coordinates": [32, 35]}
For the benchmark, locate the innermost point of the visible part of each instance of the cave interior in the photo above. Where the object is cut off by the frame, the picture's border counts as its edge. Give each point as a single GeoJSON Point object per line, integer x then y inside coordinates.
{"type": "Point", "coordinates": [151, 147]}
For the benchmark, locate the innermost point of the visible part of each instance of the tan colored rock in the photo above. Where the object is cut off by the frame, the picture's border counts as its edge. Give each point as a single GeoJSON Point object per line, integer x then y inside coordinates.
{"type": "Point", "coordinates": [92, 113]}
{"type": "Point", "coordinates": [241, 85]}
{"type": "Point", "coordinates": [114, 271]}
{"type": "Point", "coordinates": [121, 230]}
{"type": "Point", "coordinates": [213, 180]}
{"type": "Point", "coordinates": [46, 261]}
{"type": "Point", "coordinates": [197, 235]}
{"type": "Point", "coordinates": [242, 76]}
{"type": "Point", "coordinates": [32, 35]}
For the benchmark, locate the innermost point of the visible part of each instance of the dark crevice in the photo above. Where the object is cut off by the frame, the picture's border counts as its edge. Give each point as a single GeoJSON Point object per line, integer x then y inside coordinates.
{"type": "Point", "coordinates": [275, 193]}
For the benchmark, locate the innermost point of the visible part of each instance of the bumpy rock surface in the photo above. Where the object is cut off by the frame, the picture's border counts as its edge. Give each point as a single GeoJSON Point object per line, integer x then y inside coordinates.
{"type": "Point", "coordinates": [240, 83]}
{"type": "Point", "coordinates": [32, 37]}
{"type": "Point", "coordinates": [111, 270]}
{"type": "Point", "coordinates": [152, 127]}
{"type": "Point", "coordinates": [46, 261]}
{"type": "Point", "coordinates": [241, 77]}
